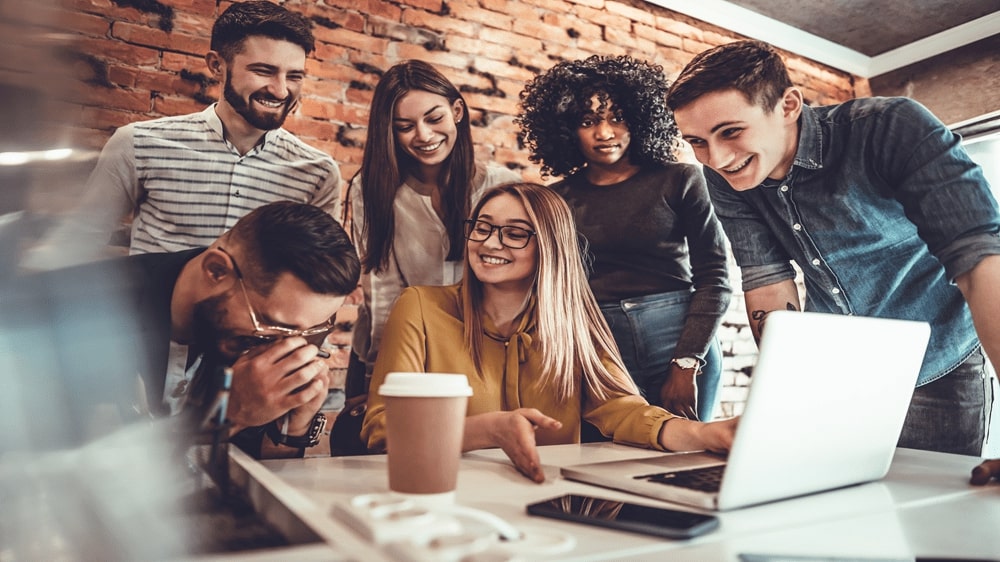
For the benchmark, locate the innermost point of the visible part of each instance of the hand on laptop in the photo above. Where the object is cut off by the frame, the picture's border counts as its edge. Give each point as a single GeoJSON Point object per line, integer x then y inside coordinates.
{"type": "Point", "coordinates": [679, 434]}
{"type": "Point", "coordinates": [514, 432]}
{"type": "Point", "coordinates": [986, 471]}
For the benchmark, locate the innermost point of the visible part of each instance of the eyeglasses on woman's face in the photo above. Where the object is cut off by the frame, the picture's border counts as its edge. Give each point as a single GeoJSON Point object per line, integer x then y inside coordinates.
{"type": "Point", "coordinates": [513, 237]}
{"type": "Point", "coordinates": [265, 334]}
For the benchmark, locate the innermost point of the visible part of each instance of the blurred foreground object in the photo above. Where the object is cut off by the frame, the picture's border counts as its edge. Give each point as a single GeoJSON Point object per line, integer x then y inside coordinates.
{"type": "Point", "coordinates": [90, 475]}
{"type": "Point", "coordinates": [75, 483]}
{"type": "Point", "coordinates": [42, 168]}
{"type": "Point", "coordinates": [82, 475]}
{"type": "Point", "coordinates": [116, 498]}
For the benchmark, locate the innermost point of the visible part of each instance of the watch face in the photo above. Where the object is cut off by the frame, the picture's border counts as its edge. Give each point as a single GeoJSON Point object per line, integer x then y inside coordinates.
{"type": "Point", "coordinates": [686, 362]}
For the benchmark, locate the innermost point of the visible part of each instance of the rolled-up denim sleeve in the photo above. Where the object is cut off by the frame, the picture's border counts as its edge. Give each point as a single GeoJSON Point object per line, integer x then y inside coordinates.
{"type": "Point", "coordinates": [757, 276]}
{"type": "Point", "coordinates": [965, 253]}
{"type": "Point", "coordinates": [942, 190]}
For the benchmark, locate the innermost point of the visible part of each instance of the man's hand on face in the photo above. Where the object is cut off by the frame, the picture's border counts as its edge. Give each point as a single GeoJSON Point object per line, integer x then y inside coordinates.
{"type": "Point", "coordinates": [286, 376]}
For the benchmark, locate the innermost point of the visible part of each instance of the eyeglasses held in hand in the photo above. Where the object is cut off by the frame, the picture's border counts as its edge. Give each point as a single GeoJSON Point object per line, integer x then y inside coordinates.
{"type": "Point", "coordinates": [514, 237]}
{"type": "Point", "coordinates": [264, 334]}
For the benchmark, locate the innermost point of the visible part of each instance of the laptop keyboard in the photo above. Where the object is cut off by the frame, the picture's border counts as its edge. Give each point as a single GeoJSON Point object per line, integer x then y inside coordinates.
{"type": "Point", "coordinates": [705, 479]}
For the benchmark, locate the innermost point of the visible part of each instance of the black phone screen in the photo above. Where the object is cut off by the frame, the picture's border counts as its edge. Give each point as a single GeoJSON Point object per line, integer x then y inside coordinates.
{"type": "Point", "coordinates": [662, 522]}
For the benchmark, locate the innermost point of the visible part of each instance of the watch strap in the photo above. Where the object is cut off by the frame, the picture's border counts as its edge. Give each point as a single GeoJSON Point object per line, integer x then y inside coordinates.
{"type": "Point", "coordinates": [310, 439]}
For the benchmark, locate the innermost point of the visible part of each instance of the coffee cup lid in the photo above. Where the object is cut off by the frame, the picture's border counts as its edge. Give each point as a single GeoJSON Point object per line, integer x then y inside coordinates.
{"type": "Point", "coordinates": [426, 385]}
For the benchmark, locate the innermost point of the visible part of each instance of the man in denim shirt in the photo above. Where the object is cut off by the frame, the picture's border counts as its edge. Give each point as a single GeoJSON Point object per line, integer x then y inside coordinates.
{"type": "Point", "coordinates": [876, 202]}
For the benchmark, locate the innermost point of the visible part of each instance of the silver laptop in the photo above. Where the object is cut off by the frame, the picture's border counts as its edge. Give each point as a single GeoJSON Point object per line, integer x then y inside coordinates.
{"type": "Point", "coordinates": [826, 405]}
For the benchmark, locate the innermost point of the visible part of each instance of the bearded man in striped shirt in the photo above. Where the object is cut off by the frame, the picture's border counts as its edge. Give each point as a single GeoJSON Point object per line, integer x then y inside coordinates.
{"type": "Point", "coordinates": [186, 179]}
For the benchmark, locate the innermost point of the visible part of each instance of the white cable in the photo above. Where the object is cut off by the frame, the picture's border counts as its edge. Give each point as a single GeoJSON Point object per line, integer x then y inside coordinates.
{"type": "Point", "coordinates": [506, 531]}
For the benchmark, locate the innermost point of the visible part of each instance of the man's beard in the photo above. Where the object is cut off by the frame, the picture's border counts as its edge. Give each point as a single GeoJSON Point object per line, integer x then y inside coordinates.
{"type": "Point", "coordinates": [209, 333]}
{"type": "Point", "coordinates": [262, 121]}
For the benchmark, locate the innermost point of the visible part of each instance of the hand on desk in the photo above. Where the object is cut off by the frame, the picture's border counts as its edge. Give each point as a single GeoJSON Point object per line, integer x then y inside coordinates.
{"type": "Point", "coordinates": [514, 432]}
{"type": "Point", "coordinates": [986, 471]}
{"type": "Point", "coordinates": [270, 381]}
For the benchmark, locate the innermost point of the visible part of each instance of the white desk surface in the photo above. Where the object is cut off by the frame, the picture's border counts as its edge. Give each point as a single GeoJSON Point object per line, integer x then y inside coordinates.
{"type": "Point", "coordinates": [923, 508]}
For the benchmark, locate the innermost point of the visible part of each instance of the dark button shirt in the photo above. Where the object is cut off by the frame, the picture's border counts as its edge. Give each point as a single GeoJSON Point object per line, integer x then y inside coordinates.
{"type": "Point", "coordinates": [882, 210]}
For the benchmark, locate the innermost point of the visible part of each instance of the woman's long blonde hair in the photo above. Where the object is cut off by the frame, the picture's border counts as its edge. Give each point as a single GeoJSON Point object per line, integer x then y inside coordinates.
{"type": "Point", "coordinates": [570, 328]}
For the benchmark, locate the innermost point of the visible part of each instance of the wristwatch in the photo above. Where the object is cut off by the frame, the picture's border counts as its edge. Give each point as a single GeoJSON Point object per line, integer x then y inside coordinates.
{"type": "Point", "coordinates": [310, 439]}
{"type": "Point", "coordinates": [690, 363]}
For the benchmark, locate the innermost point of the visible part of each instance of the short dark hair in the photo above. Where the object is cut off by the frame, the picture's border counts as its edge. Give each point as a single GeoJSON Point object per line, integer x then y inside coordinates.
{"type": "Point", "coordinates": [259, 17]}
{"type": "Point", "coordinates": [752, 67]}
{"type": "Point", "coordinates": [300, 239]}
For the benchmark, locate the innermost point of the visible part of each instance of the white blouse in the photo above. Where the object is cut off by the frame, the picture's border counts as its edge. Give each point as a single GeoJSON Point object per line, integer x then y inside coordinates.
{"type": "Point", "coordinates": [419, 248]}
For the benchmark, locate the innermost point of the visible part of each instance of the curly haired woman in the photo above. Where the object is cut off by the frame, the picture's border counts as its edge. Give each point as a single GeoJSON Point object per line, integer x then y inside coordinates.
{"type": "Point", "coordinates": [659, 260]}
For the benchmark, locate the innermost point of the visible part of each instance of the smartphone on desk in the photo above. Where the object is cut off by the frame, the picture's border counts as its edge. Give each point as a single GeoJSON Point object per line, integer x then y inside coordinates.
{"type": "Point", "coordinates": [614, 514]}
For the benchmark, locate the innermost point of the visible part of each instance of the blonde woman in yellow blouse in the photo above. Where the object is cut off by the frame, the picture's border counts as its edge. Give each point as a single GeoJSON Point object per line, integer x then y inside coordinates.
{"type": "Point", "coordinates": [526, 330]}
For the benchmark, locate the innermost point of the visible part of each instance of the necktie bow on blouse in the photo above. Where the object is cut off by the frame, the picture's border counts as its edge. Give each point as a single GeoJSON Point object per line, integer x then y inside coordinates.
{"type": "Point", "coordinates": [516, 353]}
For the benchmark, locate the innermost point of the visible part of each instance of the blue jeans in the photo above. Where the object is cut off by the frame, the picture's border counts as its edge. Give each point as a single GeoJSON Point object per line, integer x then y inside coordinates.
{"type": "Point", "coordinates": [952, 413]}
{"type": "Point", "coordinates": [646, 330]}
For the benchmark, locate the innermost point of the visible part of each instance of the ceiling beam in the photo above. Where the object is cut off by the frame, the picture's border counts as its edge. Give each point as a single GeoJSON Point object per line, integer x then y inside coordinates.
{"type": "Point", "coordinates": [756, 26]}
{"type": "Point", "coordinates": [942, 42]}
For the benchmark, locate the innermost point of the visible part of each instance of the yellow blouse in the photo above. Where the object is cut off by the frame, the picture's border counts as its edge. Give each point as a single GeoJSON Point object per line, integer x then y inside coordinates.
{"type": "Point", "coordinates": [424, 333]}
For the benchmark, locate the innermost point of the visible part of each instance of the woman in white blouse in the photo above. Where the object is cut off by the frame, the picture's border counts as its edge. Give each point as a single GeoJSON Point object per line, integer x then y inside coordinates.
{"type": "Point", "coordinates": [417, 183]}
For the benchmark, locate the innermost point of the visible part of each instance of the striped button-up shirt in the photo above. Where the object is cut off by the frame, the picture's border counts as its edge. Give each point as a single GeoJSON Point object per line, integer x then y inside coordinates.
{"type": "Point", "coordinates": [185, 184]}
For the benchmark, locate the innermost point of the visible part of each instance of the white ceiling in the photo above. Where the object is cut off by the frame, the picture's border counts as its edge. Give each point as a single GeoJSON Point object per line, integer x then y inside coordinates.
{"type": "Point", "coordinates": [863, 37]}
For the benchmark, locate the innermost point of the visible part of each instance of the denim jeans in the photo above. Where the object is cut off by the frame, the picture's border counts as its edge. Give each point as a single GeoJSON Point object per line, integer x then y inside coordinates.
{"type": "Point", "coordinates": [952, 413]}
{"type": "Point", "coordinates": [646, 330]}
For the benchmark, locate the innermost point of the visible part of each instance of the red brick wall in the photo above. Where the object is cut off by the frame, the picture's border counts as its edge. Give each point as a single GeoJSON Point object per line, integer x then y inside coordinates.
{"type": "Point", "coordinates": [128, 68]}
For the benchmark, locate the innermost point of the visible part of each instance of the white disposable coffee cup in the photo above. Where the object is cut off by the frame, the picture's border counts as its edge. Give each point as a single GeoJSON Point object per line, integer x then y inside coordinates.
{"type": "Point", "coordinates": [425, 421]}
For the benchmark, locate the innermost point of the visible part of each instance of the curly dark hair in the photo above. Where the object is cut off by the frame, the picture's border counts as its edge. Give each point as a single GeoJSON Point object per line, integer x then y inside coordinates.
{"type": "Point", "coordinates": [553, 104]}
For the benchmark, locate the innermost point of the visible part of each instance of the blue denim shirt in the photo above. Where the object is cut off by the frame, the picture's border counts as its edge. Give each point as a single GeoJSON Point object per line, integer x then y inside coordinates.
{"type": "Point", "coordinates": [881, 210]}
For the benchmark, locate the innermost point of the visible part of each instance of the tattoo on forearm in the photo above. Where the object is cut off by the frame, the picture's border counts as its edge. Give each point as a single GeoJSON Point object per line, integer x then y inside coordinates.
{"type": "Point", "coordinates": [759, 316]}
